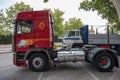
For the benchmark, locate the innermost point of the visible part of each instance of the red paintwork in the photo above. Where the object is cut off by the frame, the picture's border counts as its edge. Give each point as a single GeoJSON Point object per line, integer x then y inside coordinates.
{"type": "Point", "coordinates": [19, 63]}
{"type": "Point", "coordinates": [37, 62]}
{"type": "Point", "coordinates": [105, 46]}
{"type": "Point", "coordinates": [40, 37]}
{"type": "Point", "coordinates": [102, 61]}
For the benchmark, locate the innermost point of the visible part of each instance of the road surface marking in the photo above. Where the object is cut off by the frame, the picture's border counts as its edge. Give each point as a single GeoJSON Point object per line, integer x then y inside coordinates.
{"type": "Point", "coordinates": [89, 72]}
{"type": "Point", "coordinates": [40, 76]}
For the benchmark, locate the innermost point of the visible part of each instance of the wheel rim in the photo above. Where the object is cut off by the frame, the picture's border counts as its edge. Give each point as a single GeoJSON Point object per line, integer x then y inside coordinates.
{"type": "Point", "coordinates": [104, 62]}
{"type": "Point", "coordinates": [37, 62]}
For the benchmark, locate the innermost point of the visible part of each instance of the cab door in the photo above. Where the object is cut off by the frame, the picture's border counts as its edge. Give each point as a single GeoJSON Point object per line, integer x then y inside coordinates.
{"type": "Point", "coordinates": [23, 35]}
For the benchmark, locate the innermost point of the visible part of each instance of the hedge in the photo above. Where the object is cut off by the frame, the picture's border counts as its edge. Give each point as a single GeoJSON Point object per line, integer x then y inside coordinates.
{"type": "Point", "coordinates": [5, 39]}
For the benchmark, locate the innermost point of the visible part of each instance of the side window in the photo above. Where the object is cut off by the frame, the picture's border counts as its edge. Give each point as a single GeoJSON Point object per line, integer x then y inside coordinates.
{"type": "Point", "coordinates": [77, 33]}
{"type": "Point", "coordinates": [24, 26]}
{"type": "Point", "coordinates": [71, 33]}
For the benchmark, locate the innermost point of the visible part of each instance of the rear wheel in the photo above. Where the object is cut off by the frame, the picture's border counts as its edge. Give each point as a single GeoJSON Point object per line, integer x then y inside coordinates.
{"type": "Point", "coordinates": [38, 62]}
{"type": "Point", "coordinates": [104, 62]}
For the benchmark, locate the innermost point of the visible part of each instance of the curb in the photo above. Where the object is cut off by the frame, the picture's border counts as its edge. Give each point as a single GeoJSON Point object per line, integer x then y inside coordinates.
{"type": "Point", "coordinates": [5, 45]}
{"type": "Point", "coordinates": [5, 48]}
{"type": "Point", "coordinates": [5, 52]}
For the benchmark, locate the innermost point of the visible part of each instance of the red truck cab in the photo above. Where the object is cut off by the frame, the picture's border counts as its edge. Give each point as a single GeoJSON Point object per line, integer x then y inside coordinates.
{"type": "Point", "coordinates": [33, 30]}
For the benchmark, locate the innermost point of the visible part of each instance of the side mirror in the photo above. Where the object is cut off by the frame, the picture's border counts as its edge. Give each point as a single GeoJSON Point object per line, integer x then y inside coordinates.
{"type": "Point", "coordinates": [13, 21]}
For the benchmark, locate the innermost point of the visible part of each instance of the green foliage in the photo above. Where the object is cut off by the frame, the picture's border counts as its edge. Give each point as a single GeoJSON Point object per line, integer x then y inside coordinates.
{"type": "Point", "coordinates": [5, 19]}
{"type": "Point", "coordinates": [13, 10]}
{"type": "Point", "coordinates": [2, 23]}
{"type": "Point", "coordinates": [105, 8]}
{"type": "Point", "coordinates": [57, 16]}
{"type": "Point", "coordinates": [73, 23]}
{"type": "Point", "coordinates": [45, 1]}
{"type": "Point", "coordinates": [5, 39]}
{"type": "Point", "coordinates": [58, 23]}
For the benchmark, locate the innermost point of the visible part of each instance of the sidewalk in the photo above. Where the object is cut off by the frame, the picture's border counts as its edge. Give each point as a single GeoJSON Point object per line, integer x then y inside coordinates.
{"type": "Point", "coordinates": [6, 48]}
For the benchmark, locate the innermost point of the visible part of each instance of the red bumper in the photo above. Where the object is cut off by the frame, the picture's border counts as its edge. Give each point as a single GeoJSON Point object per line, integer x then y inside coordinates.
{"type": "Point", "coordinates": [19, 63]}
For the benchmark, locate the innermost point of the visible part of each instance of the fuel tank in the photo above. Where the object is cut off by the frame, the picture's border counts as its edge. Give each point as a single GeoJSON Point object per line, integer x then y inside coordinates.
{"type": "Point", "coordinates": [72, 55]}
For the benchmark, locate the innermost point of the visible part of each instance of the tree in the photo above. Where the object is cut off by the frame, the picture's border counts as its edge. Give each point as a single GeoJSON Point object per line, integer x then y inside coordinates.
{"type": "Point", "coordinates": [57, 16]}
{"type": "Point", "coordinates": [12, 11]}
{"type": "Point", "coordinates": [2, 23]}
{"type": "Point", "coordinates": [105, 8]}
{"type": "Point", "coordinates": [117, 6]}
{"type": "Point", "coordinates": [45, 0]}
{"type": "Point", "coordinates": [59, 27]}
{"type": "Point", "coordinates": [73, 23]}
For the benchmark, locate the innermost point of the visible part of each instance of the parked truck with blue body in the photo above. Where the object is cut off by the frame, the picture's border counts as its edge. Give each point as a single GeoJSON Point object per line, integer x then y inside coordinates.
{"type": "Point", "coordinates": [82, 36]}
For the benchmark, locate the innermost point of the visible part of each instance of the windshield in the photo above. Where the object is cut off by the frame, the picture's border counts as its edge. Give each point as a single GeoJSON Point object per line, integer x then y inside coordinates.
{"type": "Point", "coordinates": [66, 34]}
{"type": "Point", "coordinates": [72, 33]}
{"type": "Point", "coordinates": [24, 26]}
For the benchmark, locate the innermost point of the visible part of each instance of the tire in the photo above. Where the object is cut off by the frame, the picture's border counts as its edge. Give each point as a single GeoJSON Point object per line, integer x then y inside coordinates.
{"type": "Point", "coordinates": [104, 62]}
{"type": "Point", "coordinates": [38, 62]}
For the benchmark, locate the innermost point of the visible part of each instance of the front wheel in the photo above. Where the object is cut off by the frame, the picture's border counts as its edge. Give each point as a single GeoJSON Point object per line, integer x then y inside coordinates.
{"type": "Point", "coordinates": [38, 62]}
{"type": "Point", "coordinates": [104, 62]}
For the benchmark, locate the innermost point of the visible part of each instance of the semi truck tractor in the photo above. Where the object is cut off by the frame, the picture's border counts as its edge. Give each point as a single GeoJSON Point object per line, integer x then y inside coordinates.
{"type": "Point", "coordinates": [33, 45]}
{"type": "Point", "coordinates": [85, 36]}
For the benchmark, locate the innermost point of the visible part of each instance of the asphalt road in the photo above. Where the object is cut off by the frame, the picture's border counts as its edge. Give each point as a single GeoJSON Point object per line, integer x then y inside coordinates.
{"type": "Point", "coordinates": [63, 71]}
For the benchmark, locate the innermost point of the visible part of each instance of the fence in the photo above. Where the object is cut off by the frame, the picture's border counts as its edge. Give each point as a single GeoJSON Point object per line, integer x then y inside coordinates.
{"type": "Point", "coordinates": [5, 39]}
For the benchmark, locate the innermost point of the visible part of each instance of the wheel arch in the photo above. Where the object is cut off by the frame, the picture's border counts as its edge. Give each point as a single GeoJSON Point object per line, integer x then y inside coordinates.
{"type": "Point", "coordinates": [111, 52]}
{"type": "Point", "coordinates": [41, 51]}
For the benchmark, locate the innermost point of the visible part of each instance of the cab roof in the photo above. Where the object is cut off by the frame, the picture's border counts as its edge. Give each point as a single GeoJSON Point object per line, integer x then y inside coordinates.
{"type": "Point", "coordinates": [32, 14]}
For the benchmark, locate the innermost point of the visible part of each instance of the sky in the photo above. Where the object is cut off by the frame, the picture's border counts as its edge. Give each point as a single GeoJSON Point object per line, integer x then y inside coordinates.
{"type": "Point", "coordinates": [69, 7]}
